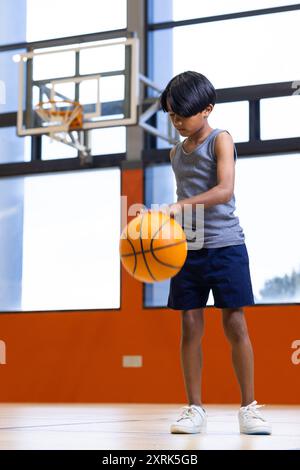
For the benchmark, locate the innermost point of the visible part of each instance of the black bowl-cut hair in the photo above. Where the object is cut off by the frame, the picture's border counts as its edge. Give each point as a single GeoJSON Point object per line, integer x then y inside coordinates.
{"type": "Point", "coordinates": [187, 94]}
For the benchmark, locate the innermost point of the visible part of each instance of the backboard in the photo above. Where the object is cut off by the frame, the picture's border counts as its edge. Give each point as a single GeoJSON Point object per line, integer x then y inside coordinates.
{"type": "Point", "coordinates": [101, 76]}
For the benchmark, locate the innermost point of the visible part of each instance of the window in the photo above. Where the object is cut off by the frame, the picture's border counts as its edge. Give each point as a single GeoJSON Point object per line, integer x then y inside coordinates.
{"type": "Point", "coordinates": [12, 21]}
{"type": "Point", "coordinates": [279, 118]}
{"type": "Point", "coordinates": [65, 18]}
{"type": "Point", "coordinates": [8, 82]}
{"type": "Point", "coordinates": [159, 189]}
{"type": "Point", "coordinates": [234, 117]}
{"type": "Point", "coordinates": [238, 46]}
{"type": "Point", "coordinates": [60, 231]}
{"type": "Point", "coordinates": [12, 148]}
{"type": "Point", "coordinates": [176, 10]}
{"type": "Point", "coordinates": [109, 140]}
{"type": "Point", "coordinates": [52, 149]}
{"type": "Point", "coordinates": [59, 241]}
{"type": "Point", "coordinates": [194, 8]}
{"type": "Point", "coordinates": [68, 18]}
{"type": "Point", "coordinates": [54, 65]}
{"type": "Point", "coordinates": [104, 141]}
{"type": "Point", "coordinates": [267, 192]}
{"type": "Point", "coordinates": [267, 216]}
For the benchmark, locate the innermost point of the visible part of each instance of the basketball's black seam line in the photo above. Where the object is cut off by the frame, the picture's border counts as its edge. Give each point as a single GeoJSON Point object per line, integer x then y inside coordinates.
{"type": "Point", "coordinates": [153, 238]}
{"type": "Point", "coordinates": [155, 249]}
{"type": "Point", "coordinates": [133, 254]}
{"type": "Point", "coordinates": [142, 248]}
{"type": "Point", "coordinates": [163, 263]}
{"type": "Point", "coordinates": [160, 227]}
{"type": "Point", "coordinates": [152, 250]}
{"type": "Point", "coordinates": [166, 264]}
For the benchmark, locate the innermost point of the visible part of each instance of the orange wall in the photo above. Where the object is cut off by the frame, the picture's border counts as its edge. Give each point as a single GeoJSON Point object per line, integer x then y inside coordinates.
{"type": "Point", "coordinates": [77, 357]}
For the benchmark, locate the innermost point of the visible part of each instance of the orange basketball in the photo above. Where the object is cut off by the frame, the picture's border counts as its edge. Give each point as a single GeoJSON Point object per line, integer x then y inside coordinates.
{"type": "Point", "coordinates": [153, 247]}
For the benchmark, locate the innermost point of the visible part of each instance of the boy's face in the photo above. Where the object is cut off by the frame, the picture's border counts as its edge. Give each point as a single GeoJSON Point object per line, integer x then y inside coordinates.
{"type": "Point", "coordinates": [187, 126]}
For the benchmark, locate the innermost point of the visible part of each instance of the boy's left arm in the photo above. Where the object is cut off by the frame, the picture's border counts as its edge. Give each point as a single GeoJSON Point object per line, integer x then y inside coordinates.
{"type": "Point", "coordinates": [223, 191]}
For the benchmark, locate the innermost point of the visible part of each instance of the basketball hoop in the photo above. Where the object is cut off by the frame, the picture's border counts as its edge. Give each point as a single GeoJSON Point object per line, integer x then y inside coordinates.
{"type": "Point", "coordinates": [66, 113]}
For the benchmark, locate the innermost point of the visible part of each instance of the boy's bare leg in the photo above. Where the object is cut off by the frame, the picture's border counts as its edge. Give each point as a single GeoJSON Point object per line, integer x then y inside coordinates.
{"type": "Point", "coordinates": [236, 331]}
{"type": "Point", "coordinates": [191, 353]}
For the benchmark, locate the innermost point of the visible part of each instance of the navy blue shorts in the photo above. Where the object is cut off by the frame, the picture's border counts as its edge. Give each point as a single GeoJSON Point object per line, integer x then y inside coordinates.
{"type": "Point", "coordinates": [225, 270]}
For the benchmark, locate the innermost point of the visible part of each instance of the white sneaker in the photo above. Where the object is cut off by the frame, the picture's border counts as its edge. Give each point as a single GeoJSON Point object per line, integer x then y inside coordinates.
{"type": "Point", "coordinates": [251, 421]}
{"type": "Point", "coordinates": [192, 420]}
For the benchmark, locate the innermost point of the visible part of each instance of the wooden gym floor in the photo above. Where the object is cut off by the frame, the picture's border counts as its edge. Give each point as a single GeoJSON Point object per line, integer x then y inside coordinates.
{"type": "Point", "coordinates": [136, 426]}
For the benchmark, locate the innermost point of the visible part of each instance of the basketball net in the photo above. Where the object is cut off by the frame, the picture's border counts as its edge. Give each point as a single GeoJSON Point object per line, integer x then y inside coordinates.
{"type": "Point", "coordinates": [68, 115]}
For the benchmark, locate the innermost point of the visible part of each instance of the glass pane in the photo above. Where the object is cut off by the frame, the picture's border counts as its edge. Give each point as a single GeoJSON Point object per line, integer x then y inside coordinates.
{"type": "Point", "coordinates": [11, 210]}
{"type": "Point", "coordinates": [274, 264]}
{"type": "Point", "coordinates": [68, 18]}
{"type": "Point", "coordinates": [52, 149]}
{"type": "Point", "coordinates": [9, 81]}
{"type": "Point", "coordinates": [196, 9]}
{"type": "Point", "coordinates": [161, 52]}
{"type": "Point", "coordinates": [108, 140]}
{"type": "Point", "coordinates": [246, 63]}
{"type": "Point", "coordinates": [159, 188]}
{"type": "Point", "coordinates": [102, 59]}
{"type": "Point", "coordinates": [65, 91]}
{"type": "Point", "coordinates": [13, 148]}
{"type": "Point", "coordinates": [159, 11]}
{"type": "Point", "coordinates": [56, 252]}
{"type": "Point", "coordinates": [112, 88]}
{"type": "Point", "coordinates": [88, 92]}
{"type": "Point", "coordinates": [273, 126]}
{"type": "Point", "coordinates": [233, 117]}
{"type": "Point", "coordinates": [270, 225]}
{"type": "Point", "coordinates": [247, 55]}
{"type": "Point", "coordinates": [175, 10]}
{"type": "Point", "coordinates": [56, 65]}
{"type": "Point", "coordinates": [12, 21]}
{"type": "Point", "coordinates": [162, 122]}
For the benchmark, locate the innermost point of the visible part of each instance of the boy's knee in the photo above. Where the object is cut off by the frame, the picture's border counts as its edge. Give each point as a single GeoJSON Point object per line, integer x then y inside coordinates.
{"type": "Point", "coordinates": [192, 324]}
{"type": "Point", "coordinates": [234, 324]}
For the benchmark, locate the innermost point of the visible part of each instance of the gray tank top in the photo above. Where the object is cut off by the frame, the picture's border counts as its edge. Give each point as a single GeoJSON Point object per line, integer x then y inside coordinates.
{"type": "Point", "coordinates": [195, 173]}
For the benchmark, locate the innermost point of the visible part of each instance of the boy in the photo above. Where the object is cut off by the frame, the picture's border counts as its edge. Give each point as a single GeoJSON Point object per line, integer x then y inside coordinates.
{"type": "Point", "coordinates": [204, 165]}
